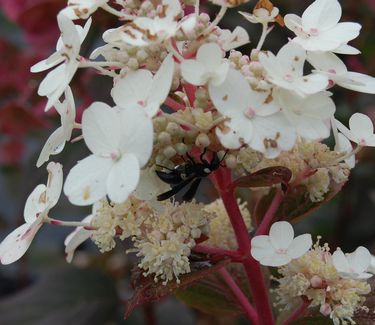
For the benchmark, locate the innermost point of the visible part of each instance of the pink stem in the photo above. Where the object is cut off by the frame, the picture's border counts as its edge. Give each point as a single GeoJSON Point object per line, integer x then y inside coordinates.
{"type": "Point", "coordinates": [268, 217]}
{"type": "Point", "coordinates": [171, 103]}
{"type": "Point", "coordinates": [222, 178]}
{"type": "Point", "coordinates": [216, 251]}
{"type": "Point", "coordinates": [190, 92]}
{"type": "Point", "coordinates": [297, 313]}
{"type": "Point", "coordinates": [240, 296]}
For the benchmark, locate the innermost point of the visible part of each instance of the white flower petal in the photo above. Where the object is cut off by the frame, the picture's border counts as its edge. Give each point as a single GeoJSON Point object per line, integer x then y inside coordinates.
{"type": "Point", "coordinates": [86, 181]}
{"type": "Point", "coordinates": [161, 85]}
{"type": "Point", "coordinates": [53, 146]}
{"type": "Point", "coordinates": [76, 238]}
{"type": "Point", "coordinates": [123, 178]}
{"type": "Point", "coordinates": [133, 89]}
{"type": "Point", "coordinates": [261, 247]}
{"type": "Point", "coordinates": [300, 246]}
{"type": "Point", "coordinates": [15, 245]}
{"type": "Point", "coordinates": [359, 260]}
{"type": "Point", "coordinates": [340, 261]}
{"type": "Point", "coordinates": [358, 82]}
{"type": "Point", "coordinates": [136, 134]}
{"type": "Point", "coordinates": [361, 125]}
{"type": "Point", "coordinates": [54, 183]}
{"type": "Point", "coordinates": [194, 72]}
{"type": "Point", "coordinates": [276, 260]}
{"type": "Point", "coordinates": [281, 235]}
{"type": "Point", "coordinates": [344, 145]}
{"type": "Point", "coordinates": [101, 129]}
{"type": "Point", "coordinates": [322, 14]}
{"type": "Point", "coordinates": [232, 97]}
{"type": "Point", "coordinates": [210, 55]}
{"type": "Point", "coordinates": [35, 204]}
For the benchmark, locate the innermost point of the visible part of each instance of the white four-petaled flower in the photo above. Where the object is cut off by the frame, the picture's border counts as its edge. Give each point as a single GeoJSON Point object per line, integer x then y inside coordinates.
{"type": "Point", "coordinates": [208, 66]}
{"type": "Point", "coordinates": [255, 118]}
{"type": "Point", "coordinates": [280, 247]}
{"type": "Point", "coordinates": [139, 89]}
{"type": "Point", "coordinates": [121, 142]}
{"type": "Point", "coordinates": [353, 265]}
{"type": "Point", "coordinates": [319, 28]}
{"type": "Point", "coordinates": [41, 200]}
{"type": "Point", "coordinates": [65, 60]}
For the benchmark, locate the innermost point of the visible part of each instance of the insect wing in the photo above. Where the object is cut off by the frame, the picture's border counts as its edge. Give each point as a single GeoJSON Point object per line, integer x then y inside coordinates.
{"type": "Point", "coordinates": [189, 195]}
{"type": "Point", "coordinates": [174, 190]}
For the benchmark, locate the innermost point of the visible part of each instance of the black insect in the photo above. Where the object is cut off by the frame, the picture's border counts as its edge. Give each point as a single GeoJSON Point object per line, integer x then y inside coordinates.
{"type": "Point", "coordinates": [190, 173]}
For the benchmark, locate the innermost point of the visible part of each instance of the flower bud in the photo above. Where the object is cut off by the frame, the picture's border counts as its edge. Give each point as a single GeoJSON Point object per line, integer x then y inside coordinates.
{"type": "Point", "coordinates": [181, 148]}
{"type": "Point", "coordinates": [316, 282]}
{"type": "Point", "coordinates": [164, 138]}
{"type": "Point", "coordinates": [325, 309]}
{"type": "Point", "coordinates": [173, 128]}
{"type": "Point", "coordinates": [202, 140]}
{"type": "Point", "coordinates": [169, 152]}
{"type": "Point", "coordinates": [231, 161]}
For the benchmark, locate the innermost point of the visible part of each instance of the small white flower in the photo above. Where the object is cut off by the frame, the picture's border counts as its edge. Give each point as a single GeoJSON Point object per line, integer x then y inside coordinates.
{"type": "Point", "coordinates": [144, 31]}
{"type": "Point", "coordinates": [230, 40]}
{"type": "Point", "coordinates": [76, 238]}
{"type": "Point", "coordinates": [352, 265]}
{"type": "Point", "coordinates": [121, 143]}
{"type": "Point", "coordinates": [319, 28]}
{"type": "Point", "coordinates": [261, 15]}
{"type": "Point", "coordinates": [329, 64]}
{"type": "Point", "coordinates": [371, 268]}
{"type": "Point", "coordinates": [139, 89]}
{"type": "Point", "coordinates": [208, 67]}
{"type": "Point", "coordinates": [56, 141]}
{"type": "Point", "coordinates": [361, 130]}
{"type": "Point", "coordinates": [41, 200]}
{"type": "Point", "coordinates": [286, 70]}
{"type": "Point", "coordinates": [82, 9]}
{"type": "Point", "coordinates": [255, 118]}
{"type": "Point", "coordinates": [310, 115]}
{"type": "Point", "coordinates": [65, 59]}
{"type": "Point", "coordinates": [280, 247]}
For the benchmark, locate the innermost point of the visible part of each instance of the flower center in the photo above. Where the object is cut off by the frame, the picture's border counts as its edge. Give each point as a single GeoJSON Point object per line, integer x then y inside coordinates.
{"type": "Point", "coordinates": [249, 113]}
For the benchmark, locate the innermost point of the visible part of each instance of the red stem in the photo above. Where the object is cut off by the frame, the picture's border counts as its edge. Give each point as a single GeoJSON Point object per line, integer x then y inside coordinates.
{"type": "Point", "coordinates": [240, 296]}
{"type": "Point", "coordinates": [268, 217]}
{"type": "Point", "coordinates": [297, 313]}
{"type": "Point", "coordinates": [171, 103]}
{"type": "Point", "coordinates": [222, 179]}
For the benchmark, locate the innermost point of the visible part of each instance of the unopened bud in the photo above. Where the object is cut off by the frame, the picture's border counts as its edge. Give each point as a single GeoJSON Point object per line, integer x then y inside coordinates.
{"type": "Point", "coordinates": [325, 309]}
{"type": "Point", "coordinates": [169, 152]}
{"type": "Point", "coordinates": [164, 138]}
{"type": "Point", "coordinates": [133, 64]}
{"type": "Point", "coordinates": [202, 140]}
{"type": "Point", "coordinates": [316, 282]}
{"type": "Point", "coordinates": [254, 56]}
{"type": "Point", "coordinates": [231, 161]}
{"type": "Point", "coordinates": [181, 148]}
{"type": "Point", "coordinates": [173, 128]}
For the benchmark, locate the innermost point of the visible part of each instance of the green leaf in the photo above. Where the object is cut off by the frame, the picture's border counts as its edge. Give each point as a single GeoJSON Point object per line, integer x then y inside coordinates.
{"type": "Point", "coordinates": [63, 296]}
{"type": "Point", "coordinates": [147, 290]}
{"type": "Point", "coordinates": [265, 177]}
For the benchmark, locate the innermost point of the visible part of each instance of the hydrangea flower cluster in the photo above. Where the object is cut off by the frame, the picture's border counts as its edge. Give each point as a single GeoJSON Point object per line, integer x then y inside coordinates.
{"type": "Point", "coordinates": [188, 107]}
